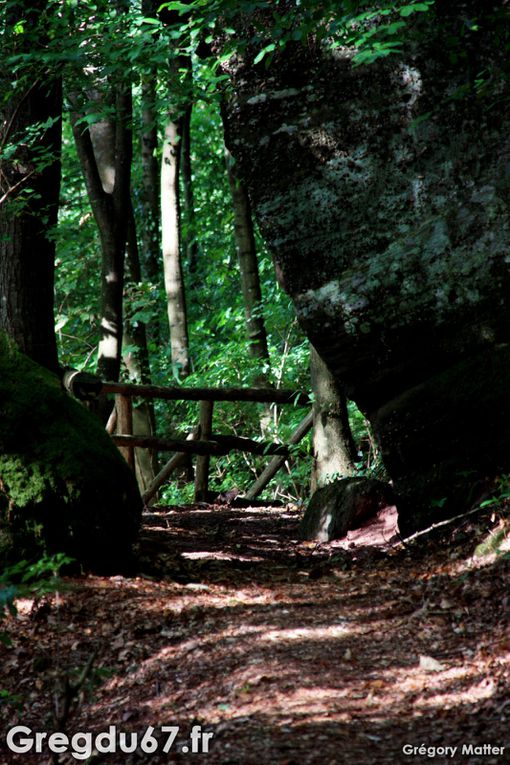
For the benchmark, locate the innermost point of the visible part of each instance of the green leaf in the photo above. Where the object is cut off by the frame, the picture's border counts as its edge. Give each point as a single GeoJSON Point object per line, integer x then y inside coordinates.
{"type": "Point", "coordinates": [407, 10]}
{"type": "Point", "coordinates": [174, 6]}
{"type": "Point", "coordinates": [391, 29]}
{"type": "Point", "coordinates": [261, 54]}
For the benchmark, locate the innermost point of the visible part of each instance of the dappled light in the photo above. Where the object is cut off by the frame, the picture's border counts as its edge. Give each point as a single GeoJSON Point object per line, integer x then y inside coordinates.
{"type": "Point", "coordinates": [254, 382]}
{"type": "Point", "coordinates": [278, 646]}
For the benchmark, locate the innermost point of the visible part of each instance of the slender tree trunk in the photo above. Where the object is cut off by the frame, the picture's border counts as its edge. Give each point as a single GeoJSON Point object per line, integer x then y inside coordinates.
{"type": "Point", "coordinates": [109, 194]}
{"type": "Point", "coordinates": [150, 179]}
{"type": "Point", "coordinates": [137, 331]}
{"type": "Point", "coordinates": [248, 265]}
{"type": "Point", "coordinates": [334, 451]}
{"type": "Point", "coordinates": [138, 367]}
{"type": "Point", "coordinates": [171, 240]}
{"type": "Point", "coordinates": [250, 280]}
{"type": "Point", "coordinates": [27, 250]}
{"type": "Point", "coordinates": [190, 238]}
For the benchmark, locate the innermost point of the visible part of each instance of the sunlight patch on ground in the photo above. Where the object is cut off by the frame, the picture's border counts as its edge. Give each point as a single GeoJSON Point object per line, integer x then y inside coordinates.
{"type": "Point", "coordinates": [307, 633]}
{"type": "Point", "coordinates": [433, 690]}
{"type": "Point", "coordinates": [24, 605]}
{"type": "Point", "coordinates": [415, 679]}
{"type": "Point", "coordinates": [476, 692]}
{"type": "Point", "coordinates": [215, 555]}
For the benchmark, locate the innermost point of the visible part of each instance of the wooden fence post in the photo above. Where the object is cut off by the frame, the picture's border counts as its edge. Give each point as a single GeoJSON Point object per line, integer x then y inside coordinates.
{"type": "Point", "coordinates": [202, 467]}
{"type": "Point", "coordinates": [124, 406]}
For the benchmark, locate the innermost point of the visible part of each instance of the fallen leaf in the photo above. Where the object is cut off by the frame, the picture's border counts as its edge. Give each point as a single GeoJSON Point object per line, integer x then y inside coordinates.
{"type": "Point", "coordinates": [429, 664]}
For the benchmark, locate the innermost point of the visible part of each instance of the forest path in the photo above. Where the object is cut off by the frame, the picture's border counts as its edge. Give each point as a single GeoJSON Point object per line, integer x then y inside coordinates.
{"type": "Point", "coordinates": [288, 652]}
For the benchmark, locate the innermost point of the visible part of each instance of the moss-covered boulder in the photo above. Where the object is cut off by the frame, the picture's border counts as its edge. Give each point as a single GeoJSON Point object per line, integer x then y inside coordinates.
{"type": "Point", "coordinates": [64, 486]}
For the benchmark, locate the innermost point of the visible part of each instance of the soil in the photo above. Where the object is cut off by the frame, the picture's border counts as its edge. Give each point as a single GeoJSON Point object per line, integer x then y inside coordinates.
{"type": "Point", "coordinates": [287, 652]}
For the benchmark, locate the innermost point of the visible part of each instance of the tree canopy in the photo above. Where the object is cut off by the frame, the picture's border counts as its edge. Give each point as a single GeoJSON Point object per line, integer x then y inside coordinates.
{"type": "Point", "coordinates": [171, 59]}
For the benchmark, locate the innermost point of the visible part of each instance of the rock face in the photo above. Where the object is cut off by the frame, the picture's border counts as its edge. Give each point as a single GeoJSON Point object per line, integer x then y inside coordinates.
{"type": "Point", "coordinates": [382, 192]}
{"type": "Point", "coordinates": [343, 505]}
{"type": "Point", "coordinates": [63, 485]}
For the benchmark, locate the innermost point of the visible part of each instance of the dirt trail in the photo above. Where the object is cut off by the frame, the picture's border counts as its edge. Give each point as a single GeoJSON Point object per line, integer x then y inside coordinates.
{"type": "Point", "coordinates": [288, 653]}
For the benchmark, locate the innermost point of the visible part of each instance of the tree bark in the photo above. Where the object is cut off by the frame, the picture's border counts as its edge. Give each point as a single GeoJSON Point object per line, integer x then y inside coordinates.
{"type": "Point", "coordinates": [203, 460]}
{"type": "Point", "coordinates": [109, 194]}
{"type": "Point", "coordinates": [181, 393]}
{"type": "Point", "coordinates": [27, 250]}
{"type": "Point", "coordinates": [150, 179]}
{"type": "Point", "coordinates": [138, 364]}
{"type": "Point", "coordinates": [171, 242]}
{"type": "Point", "coordinates": [250, 281]}
{"type": "Point", "coordinates": [63, 487]}
{"type": "Point", "coordinates": [190, 238]}
{"type": "Point", "coordinates": [334, 451]}
{"type": "Point", "coordinates": [248, 264]}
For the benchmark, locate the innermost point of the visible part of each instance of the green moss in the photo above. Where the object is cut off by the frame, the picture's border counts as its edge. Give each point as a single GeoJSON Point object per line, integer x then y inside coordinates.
{"type": "Point", "coordinates": [63, 484]}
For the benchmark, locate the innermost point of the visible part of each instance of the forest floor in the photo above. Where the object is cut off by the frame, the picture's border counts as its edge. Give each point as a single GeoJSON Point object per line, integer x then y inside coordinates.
{"type": "Point", "coordinates": [288, 653]}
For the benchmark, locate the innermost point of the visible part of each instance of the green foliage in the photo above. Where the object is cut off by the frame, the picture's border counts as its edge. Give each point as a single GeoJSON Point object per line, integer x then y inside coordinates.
{"type": "Point", "coordinates": [497, 540]}
{"type": "Point", "coordinates": [263, 28]}
{"type": "Point", "coordinates": [22, 580]}
{"type": "Point", "coordinates": [116, 41]}
{"type": "Point", "coordinates": [501, 496]}
{"type": "Point", "coordinates": [218, 340]}
{"type": "Point", "coordinates": [37, 578]}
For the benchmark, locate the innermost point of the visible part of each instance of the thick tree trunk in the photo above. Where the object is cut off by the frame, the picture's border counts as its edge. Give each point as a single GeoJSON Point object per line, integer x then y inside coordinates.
{"type": "Point", "coordinates": [334, 451]}
{"type": "Point", "coordinates": [63, 485]}
{"type": "Point", "coordinates": [26, 217]}
{"type": "Point", "coordinates": [171, 241]}
{"type": "Point", "coordinates": [384, 201]}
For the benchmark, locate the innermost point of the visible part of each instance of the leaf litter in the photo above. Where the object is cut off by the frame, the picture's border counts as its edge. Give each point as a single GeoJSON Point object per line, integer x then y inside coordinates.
{"type": "Point", "coordinates": [287, 652]}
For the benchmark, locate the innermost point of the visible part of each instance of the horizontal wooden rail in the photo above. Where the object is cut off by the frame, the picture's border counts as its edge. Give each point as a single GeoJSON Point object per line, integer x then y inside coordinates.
{"type": "Point", "coordinates": [242, 444]}
{"type": "Point", "coordinates": [257, 395]}
{"type": "Point", "coordinates": [219, 445]}
{"type": "Point", "coordinates": [203, 442]}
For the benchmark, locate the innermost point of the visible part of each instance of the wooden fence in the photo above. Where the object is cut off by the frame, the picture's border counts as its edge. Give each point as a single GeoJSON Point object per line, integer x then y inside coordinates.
{"type": "Point", "coordinates": [203, 442]}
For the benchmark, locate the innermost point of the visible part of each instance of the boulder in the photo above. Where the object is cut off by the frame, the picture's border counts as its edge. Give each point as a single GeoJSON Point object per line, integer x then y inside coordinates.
{"type": "Point", "coordinates": [64, 486]}
{"type": "Point", "coordinates": [343, 505]}
{"type": "Point", "coordinates": [382, 193]}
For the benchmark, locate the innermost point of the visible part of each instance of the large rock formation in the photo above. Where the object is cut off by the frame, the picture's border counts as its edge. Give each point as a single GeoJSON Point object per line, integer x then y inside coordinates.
{"type": "Point", "coordinates": [63, 485]}
{"type": "Point", "coordinates": [382, 192]}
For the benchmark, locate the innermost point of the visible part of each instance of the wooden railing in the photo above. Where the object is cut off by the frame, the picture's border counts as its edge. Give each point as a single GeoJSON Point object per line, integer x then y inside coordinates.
{"type": "Point", "coordinates": [203, 442]}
